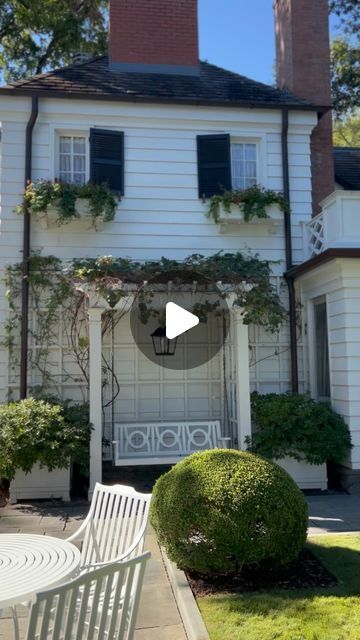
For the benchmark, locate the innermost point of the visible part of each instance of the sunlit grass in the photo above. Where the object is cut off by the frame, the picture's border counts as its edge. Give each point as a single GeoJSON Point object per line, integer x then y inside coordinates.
{"type": "Point", "coordinates": [303, 614]}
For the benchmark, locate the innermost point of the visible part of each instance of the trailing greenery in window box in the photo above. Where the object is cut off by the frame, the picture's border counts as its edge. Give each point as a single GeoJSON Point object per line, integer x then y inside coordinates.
{"type": "Point", "coordinates": [299, 427]}
{"type": "Point", "coordinates": [252, 202]}
{"type": "Point", "coordinates": [34, 431]}
{"type": "Point", "coordinates": [41, 196]}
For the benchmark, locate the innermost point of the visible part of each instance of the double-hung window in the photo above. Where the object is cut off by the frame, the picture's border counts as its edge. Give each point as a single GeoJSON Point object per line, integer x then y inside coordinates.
{"type": "Point", "coordinates": [243, 165]}
{"type": "Point", "coordinates": [72, 158]}
{"type": "Point", "coordinates": [96, 155]}
{"type": "Point", "coordinates": [225, 163]}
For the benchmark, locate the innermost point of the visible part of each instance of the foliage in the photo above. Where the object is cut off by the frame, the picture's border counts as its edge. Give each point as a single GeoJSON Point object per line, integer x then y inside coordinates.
{"type": "Point", "coordinates": [36, 431]}
{"type": "Point", "coordinates": [345, 67]}
{"type": "Point", "coordinates": [218, 510]}
{"type": "Point", "coordinates": [40, 195]}
{"type": "Point", "coordinates": [299, 427]}
{"type": "Point", "coordinates": [347, 131]}
{"type": "Point", "coordinates": [317, 613]}
{"type": "Point", "coordinates": [59, 295]}
{"type": "Point", "coordinates": [44, 34]}
{"type": "Point", "coordinates": [248, 277]}
{"type": "Point", "coordinates": [349, 13]}
{"type": "Point", "coordinates": [252, 201]}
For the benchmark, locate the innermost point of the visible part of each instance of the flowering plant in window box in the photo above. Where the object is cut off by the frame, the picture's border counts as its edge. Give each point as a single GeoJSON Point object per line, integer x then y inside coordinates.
{"type": "Point", "coordinates": [57, 203]}
{"type": "Point", "coordinates": [254, 204]}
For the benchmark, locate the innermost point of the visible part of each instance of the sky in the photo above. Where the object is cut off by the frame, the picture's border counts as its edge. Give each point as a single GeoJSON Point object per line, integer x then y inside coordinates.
{"type": "Point", "coordinates": [239, 35]}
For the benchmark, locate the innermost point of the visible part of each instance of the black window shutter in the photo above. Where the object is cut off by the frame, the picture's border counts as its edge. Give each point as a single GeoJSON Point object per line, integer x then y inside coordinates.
{"type": "Point", "coordinates": [214, 164]}
{"type": "Point", "coordinates": [107, 158]}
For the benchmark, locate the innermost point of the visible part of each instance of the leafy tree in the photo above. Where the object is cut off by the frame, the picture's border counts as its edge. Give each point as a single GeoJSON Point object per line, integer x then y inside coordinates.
{"type": "Point", "coordinates": [345, 66]}
{"type": "Point", "coordinates": [37, 35]}
{"type": "Point", "coordinates": [347, 131]}
{"type": "Point", "coordinates": [345, 58]}
{"type": "Point", "coordinates": [349, 13]}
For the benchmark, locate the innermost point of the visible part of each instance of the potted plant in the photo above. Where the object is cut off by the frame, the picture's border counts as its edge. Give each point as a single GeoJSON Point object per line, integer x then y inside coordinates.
{"type": "Point", "coordinates": [254, 205]}
{"type": "Point", "coordinates": [300, 434]}
{"type": "Point", "coordinates": [58, 203]}
{"type": "Point", "coordinates": [38, 442]}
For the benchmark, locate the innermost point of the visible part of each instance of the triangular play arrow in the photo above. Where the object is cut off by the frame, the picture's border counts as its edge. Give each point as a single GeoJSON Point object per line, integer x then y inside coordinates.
{"type": "Point", "coordinates": [178, 320]}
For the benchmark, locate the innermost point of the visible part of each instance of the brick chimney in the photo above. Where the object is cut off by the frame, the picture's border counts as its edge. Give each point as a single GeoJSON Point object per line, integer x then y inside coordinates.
{"type": "Point", "coordinates": [155, 36]}
{"type": "Point", "coordinates": [303, 67]}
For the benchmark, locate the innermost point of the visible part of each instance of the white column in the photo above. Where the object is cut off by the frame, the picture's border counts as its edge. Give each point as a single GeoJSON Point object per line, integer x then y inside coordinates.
{"type": "Point", "coordinates": [242, 378]}
{"type": "Point", "coordinates": [95, 396]}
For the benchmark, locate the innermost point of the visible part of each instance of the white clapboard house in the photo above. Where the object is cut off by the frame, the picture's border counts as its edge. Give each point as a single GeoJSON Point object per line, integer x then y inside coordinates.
{"type": "Point", "coordinates": [165, 130]}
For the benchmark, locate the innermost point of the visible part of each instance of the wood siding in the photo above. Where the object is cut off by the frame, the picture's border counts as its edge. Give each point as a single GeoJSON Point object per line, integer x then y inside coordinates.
{"type": "Point", "coordinates": [160, 214]}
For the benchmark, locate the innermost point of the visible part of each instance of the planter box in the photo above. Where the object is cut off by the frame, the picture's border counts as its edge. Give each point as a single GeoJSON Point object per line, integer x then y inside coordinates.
{"type": "Point", "coordinates": [306, 476]}
{"type": "Point", "coordinates": [40, 483]}
{"type": "Point", "coordinates": [236, 216]}
{"type": "Point", "coordinates": [49, 218]}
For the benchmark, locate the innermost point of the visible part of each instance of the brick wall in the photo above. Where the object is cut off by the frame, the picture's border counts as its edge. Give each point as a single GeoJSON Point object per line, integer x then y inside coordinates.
{"type": "Point", "coordinates": [303, 67]}
{"type": "Point", "coordinates": [154, 32]}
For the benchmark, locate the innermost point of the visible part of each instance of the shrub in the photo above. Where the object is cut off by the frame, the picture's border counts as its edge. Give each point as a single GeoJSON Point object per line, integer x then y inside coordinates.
{"type": "Point", "coordinates": [299, 427]}
{"type": "Point", "coordinates": [218, 510]}
{"type": "Point", "coordinates": [37, 431]}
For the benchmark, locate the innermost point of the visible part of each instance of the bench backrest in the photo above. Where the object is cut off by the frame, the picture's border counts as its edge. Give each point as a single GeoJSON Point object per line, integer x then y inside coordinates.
{"type": "Point", "coordinates": [163, 439]}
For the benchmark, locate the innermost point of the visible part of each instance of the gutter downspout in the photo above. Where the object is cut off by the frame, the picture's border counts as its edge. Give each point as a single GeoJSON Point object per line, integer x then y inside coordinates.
{"type": "Point", "coordinates": [288, 254]}
{"type": "Point", "coordinates": [26, 252]}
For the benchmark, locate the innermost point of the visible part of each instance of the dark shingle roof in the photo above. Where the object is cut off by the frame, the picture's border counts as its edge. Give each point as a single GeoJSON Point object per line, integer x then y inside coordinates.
{"type": "Point", "coordinates": [347, 167]}
{"type": "Point", "coordinates": [214, 86]}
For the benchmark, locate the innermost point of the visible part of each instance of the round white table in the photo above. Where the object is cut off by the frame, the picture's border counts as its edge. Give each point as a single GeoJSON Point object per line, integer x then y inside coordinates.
{"type": "Point", "coordinates": [32, 563]}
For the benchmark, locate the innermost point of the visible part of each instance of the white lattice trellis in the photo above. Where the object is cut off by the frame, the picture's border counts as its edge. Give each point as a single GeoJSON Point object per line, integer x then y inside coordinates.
{"type": "Point", "coordinates": [316, 238]}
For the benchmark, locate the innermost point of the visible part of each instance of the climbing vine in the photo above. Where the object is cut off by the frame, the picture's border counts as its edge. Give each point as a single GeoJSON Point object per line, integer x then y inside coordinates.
{"type": "Point", "coordinates": [60, 294]}
{"type": "Point", "coordinates": [253, 202]}
{"type": "Point", "coordinates": [62, 196]}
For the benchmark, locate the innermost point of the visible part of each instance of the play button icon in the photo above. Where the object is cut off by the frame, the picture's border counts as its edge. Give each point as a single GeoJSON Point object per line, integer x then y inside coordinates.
{"type": "Point", "coordinates": [186, 310]}
{"type": "Point", "coordinates": [178, 320]}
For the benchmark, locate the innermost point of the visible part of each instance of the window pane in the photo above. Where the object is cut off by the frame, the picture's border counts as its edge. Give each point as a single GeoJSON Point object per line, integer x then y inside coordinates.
{"type": "Point", "coordinates": [65, 144]}
{"type": "Point", "coordinates": [65, 177]}
{"type": "Point", "coordinates": [72, 159]}
{"type": "Point", "coordinates": [250, 169]}
{"type": "Point", "coordinates": [79, 145]}
{"type": "Point", "coordinates": [79, 163]}
{"type": "Point", "coordinates": [244, 165]}
{"type": "Point", "coordinates": [65, 163]}
{"type": "Point", "coordinates": [79, 178]}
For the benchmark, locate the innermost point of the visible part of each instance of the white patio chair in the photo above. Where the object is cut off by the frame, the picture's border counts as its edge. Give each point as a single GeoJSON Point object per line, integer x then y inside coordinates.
{"type": "Point", "coordinates": [114, 529]}
{"type": "Point", "coordinates": [98, 605]}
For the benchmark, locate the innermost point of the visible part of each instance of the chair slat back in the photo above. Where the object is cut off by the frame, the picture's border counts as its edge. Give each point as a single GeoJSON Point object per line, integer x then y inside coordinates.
{"type": "Point", "coordinates": [98, 605]}
{"type": "Point", "coordinates": [117, 515]}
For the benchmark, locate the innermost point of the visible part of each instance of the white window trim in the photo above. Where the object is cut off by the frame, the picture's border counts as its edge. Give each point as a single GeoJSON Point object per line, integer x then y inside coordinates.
{"type": "Point", "coordinates": [260, 155]}
{"type": "Point", "coordinates": [54, 148]}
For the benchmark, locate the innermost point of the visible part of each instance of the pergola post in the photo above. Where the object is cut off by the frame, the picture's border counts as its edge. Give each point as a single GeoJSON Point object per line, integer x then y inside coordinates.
{"type": "Point", "coordinates": [243, 408]}
{"type": "Point", "coordinates": [95, 396]}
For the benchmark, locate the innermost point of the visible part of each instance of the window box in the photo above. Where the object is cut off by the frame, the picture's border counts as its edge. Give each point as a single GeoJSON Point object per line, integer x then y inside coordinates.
{"type": "Point", "coordinates": [306, 476]}
{"type": "Point", "coordinates": [236, 216]}
{"type": "Point", "coordinates": [40, 483]}
{"type": "Point", "coordinates": [49, 219]}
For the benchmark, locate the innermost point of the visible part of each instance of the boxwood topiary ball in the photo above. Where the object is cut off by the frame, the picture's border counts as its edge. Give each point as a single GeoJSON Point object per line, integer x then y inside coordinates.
{"type": "Point", "coordinates": [218, 510]}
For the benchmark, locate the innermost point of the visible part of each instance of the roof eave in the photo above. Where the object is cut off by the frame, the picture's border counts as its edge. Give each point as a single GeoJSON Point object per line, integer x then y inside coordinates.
{"type": "Point", "coordinates": [73, 95]}
{"type": "Point", "coordinates": [321, 258]}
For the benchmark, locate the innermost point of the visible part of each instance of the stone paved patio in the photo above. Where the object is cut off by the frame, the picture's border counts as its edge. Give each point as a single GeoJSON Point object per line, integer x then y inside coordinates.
{"type": "Point", "coordinates": [158, 617]}
{"type": "Point", "coordinates": [333, 514]}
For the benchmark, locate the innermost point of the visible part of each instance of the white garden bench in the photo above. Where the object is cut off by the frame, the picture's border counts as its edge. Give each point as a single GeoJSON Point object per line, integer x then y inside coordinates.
{"type": "Point", "coordinates": [149, 443]}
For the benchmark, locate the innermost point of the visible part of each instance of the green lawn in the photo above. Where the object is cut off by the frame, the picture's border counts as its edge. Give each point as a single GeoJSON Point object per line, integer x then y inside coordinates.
{"type": "Point", "coordinates": [307, 614]}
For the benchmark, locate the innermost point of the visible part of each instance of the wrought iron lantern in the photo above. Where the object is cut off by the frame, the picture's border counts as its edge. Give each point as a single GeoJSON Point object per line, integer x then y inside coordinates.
{"type": "Point", "coordinates": [163, 346]}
